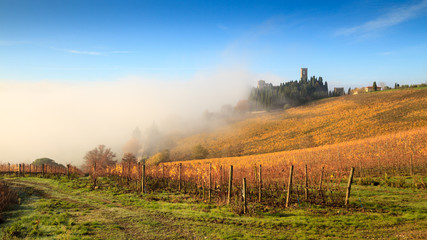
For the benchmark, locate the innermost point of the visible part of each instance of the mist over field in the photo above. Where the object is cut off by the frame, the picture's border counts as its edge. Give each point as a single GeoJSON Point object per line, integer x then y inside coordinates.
{"type": "Point", "coordinates": [64, 120]}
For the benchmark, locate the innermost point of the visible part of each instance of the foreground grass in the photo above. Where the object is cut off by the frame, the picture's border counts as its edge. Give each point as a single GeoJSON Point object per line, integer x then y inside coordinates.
{"type": "Point", "coordinates": [63, 209]}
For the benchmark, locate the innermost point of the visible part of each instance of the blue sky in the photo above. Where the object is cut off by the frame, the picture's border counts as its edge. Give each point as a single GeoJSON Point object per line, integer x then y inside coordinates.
{"type": "Point", "coordinates": [348, 43]}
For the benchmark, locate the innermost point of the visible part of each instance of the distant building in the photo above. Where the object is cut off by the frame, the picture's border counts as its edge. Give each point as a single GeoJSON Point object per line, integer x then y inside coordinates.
{"type": "Point", "coordinates": [262, 84]}
{"type": "Point", "coordinates": [364, 90]}
{"type": "Point", "coordinates": [304, 74]}
{"type": "Point", "coordinates": [371, 89]}
{"type": "Point", "coordinates": [339, 91]}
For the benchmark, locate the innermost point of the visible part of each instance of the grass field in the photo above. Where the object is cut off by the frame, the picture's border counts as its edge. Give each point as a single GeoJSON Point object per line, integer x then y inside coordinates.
{"type": "Point", "coordinates": [328, 121]}
{"type": "Point", "coordinates": [71, 209]}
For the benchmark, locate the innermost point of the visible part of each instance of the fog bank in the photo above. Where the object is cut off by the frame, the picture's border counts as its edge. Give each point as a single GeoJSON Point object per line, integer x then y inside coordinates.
{"type": "Point", "coordinates": [64, 120]}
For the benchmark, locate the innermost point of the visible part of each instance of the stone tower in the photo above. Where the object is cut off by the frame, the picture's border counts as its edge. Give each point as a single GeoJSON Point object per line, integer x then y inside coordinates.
{"type": "Point", "coordinates": [304, 74]}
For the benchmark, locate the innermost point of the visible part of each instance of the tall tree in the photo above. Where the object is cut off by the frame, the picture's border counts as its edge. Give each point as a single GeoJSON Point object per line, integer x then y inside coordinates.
{"type": "Point", "coordinates": [374, 86]}
{"type": "Point", "coordinates": [101, 156]}
{"type": "Point", "coordinates": [129, 159]}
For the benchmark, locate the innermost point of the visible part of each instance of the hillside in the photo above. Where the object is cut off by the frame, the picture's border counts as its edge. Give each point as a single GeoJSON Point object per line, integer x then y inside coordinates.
{"type": "Point", "coordinates": [327, 121]}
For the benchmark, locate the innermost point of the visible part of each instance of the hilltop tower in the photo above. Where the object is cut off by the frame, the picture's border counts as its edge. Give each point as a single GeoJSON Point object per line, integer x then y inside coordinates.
{"type": "Point", "coordinates": [304, 74]}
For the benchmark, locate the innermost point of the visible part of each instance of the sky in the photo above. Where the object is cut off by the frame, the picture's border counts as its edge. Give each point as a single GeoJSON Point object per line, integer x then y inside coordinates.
{"type": "Point", "coordinates": [74, 74]}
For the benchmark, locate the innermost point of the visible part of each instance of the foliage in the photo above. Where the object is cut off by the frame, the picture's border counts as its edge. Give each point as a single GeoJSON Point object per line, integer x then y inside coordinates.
{"type": "Point", "coordinates": [293, 92]}
{"type": "Point", "coordinates": [422, 85]}
{"type": "Point", "coordinates": [199, 152]}
{"type": "Point", "coordinates": [101, 156]}
{"type": "Point", "coordinates": [129, 158]}
{"type": "Point", "coordinates": [46, 161]}
{"type": "Point", "coordinates": [159, 157]}
{"type": "Point", "coordinates": [242, 106]}
{"type": "Point", "coordinates": [7, 197]}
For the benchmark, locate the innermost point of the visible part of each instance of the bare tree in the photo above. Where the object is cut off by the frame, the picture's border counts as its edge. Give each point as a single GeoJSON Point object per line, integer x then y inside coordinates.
{"type": "Point", "coordinates": [99, 158]}
{"type": "Point", "coordinates": [129, 158]}
{"type": "Point", "coordinates": [383, 85]}
{"type": "Point", "coordinates": [128, 161]}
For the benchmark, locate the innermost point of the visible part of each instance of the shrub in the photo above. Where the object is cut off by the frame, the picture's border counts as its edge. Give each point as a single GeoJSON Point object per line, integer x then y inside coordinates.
{"type": "Point", "coordinates": [7, 197]}
{"type": "Point", "coordinates": [199, 152]}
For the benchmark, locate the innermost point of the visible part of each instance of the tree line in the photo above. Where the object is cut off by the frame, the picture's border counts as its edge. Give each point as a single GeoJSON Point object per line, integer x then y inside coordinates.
{"type": "Point", "coordinates": [288, 94]}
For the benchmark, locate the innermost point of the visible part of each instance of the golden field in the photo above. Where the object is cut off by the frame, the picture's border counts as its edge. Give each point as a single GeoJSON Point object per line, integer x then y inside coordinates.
{"type": "Point", "coordinates": [393, 154]}
{"type": "Point", "coordinates": [324, 122]}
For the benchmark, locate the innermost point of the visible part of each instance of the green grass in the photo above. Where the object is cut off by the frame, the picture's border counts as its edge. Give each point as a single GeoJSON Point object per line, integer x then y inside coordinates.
{"type": "Point", "coordinates": [63, 209]}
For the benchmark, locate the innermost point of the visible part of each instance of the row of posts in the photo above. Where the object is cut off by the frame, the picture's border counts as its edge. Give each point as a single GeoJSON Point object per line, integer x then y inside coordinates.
{"type": "Point", "coordinates": [21, 169]}
{"type": "Point", "coordinates": [289, 190]}
{"type": "Point", "coordinates": [244, 192]}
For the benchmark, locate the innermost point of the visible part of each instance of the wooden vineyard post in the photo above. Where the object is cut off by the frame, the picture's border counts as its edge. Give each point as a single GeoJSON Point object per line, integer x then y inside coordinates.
{"type": "Point", "coordinates": [163, 175]}
{"type": "Point", "coordinates": [94, 174]}
{"type": "Point", "coordinates": [288, 195]}
{"type": "Point", "coordinates": [378, 159]}
{"type": "Point", "coordinates": [259, 185]}
{"type": "Point", "coordinates": [306, 184]}
{"type": "Point", "coordinates": [123, 173]}
{"type": "Point", "coordinates": [350, 180]}
{"type": "Point", "coordinates": [43, 170]}
{"type": "Point", "coordinates": [210, 182]}
{"type": "Point", "coordinates": [179, 176]}
{"type": "Point", "coordinates": [220, 176]}
{"type": "Point", "coordinates": [139, 177]}
{"type": "Point", "coordinates": [129, 174]}
{"type": "Point", "coordinates": [68, 171]}
{"type": "Point", "coordinates": [230, 185]}
{"type": "Point", "coordinates": [245, 201]}
{"type": "Point", "coordinates": [143, 180]}
{"type": "Point", "coordinates": [203, 190]}
{"type": "Point", "coordinates": [321, 179]}
{"type": "Point", "coordinates": [411, 169]}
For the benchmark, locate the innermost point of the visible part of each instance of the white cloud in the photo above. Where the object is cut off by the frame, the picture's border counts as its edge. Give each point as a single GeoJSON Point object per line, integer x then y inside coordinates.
{"type": "Point", "coordinates": [121, 52]}
{"type": "Point", "coordinates": [387, 53]}
{"type": "Point", "coordinates": [95, 53]}
{"type": "Point", "coordinates": [393, 17]}
{"type": "Point", "coordinates": [83, 52]}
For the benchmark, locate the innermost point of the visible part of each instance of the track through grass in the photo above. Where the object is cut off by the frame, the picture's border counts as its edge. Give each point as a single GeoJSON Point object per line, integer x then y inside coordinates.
{"type": "Point", "coordinates": [73, 209]}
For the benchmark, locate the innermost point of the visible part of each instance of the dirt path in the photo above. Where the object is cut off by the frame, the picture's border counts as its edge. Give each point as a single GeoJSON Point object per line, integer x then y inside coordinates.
{"type": "Point", "coordinates": [118, 221]}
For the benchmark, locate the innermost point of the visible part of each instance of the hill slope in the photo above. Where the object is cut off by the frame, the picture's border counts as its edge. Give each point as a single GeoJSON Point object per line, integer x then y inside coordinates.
{"type": "Point", "coordinates": [327, 121]}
